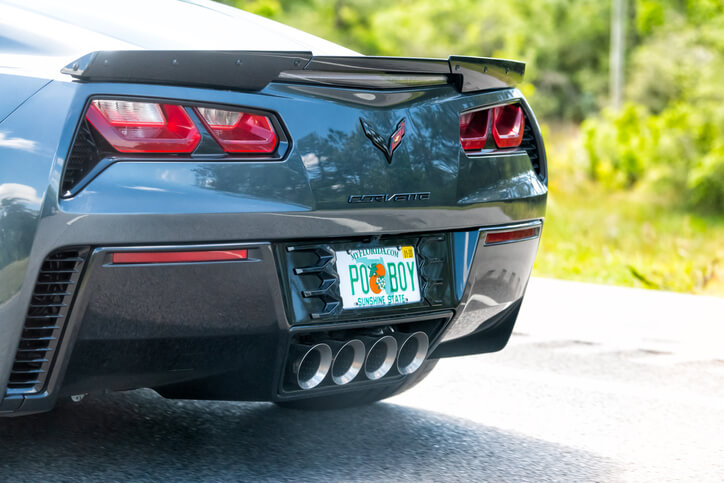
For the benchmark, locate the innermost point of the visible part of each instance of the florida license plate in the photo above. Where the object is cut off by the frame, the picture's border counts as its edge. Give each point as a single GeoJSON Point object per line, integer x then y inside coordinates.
{"type": "Point", "coordinates": [378, 277]}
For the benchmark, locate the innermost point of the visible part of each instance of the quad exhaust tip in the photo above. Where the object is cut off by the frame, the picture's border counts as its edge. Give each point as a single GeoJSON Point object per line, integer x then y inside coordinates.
{"type": "Point", "coordinates": [348, 361]}
{"type": "Point", "coordinates": [381, 357]}
{"type": "Point", "coordinates": [344, 360]}
{"type": "Point", "coordinates": [313, 364]}
{"type": "Point", "coordinates": [413, 351]}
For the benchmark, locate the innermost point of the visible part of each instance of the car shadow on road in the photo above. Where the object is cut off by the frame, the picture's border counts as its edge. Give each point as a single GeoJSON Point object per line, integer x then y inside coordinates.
{"type": "Point", "coordinates": [138, 435]}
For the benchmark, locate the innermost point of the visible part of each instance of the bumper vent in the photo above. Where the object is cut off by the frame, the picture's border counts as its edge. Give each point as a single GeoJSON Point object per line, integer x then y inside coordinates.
{"type": "Point", "coordinates": [84, 156]}
{"type": "Point", "coordinates": [432, 251]}
{"type": "Point", "coordinates": [319, 278]}
{"type": "Point", "coordinates": [49, 308]}
{"type": "Point", "coordinates": [530, 145]}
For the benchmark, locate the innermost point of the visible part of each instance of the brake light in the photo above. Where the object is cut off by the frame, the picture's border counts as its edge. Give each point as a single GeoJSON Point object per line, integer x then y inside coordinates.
{"type": "Point", "coordinates": [474, 129]}
{"type": "Point", "coordinates": [144, 127]}
{"type": "Point", "coordinates": [508, 125]}
{"type": "Point", "coordinates": [239, 132]}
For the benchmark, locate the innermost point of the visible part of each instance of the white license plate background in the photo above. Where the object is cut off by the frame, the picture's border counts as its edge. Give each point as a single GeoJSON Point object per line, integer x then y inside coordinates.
{"type": "Point", "coordinates": [378, 277]}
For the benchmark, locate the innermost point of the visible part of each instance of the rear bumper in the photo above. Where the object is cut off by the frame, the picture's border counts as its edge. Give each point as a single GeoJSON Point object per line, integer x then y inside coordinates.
{"type": "Point", "coordinates": [221, 330]}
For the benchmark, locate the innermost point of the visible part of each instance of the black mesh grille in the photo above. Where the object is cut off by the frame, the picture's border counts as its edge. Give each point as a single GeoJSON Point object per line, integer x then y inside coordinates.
{"type": "Point", "coordinates": [320, 278]}
{"type": "Point", "coordinates": [530, 146]}
{"type": "Point", "coordinates": [431, 252]}
{"type": "Point", "coordinates": [44, 322]}
{"type": "Point", "coordinates": [84, 156]}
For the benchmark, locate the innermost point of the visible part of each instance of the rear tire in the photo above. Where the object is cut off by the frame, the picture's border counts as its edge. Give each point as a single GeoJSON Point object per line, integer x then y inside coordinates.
{"type": "Point", "coordinates": [362, 397]}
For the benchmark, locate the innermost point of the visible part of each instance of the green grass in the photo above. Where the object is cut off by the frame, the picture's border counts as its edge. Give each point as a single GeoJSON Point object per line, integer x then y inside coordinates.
{"type": "Point", "coordinates": [632, 238]}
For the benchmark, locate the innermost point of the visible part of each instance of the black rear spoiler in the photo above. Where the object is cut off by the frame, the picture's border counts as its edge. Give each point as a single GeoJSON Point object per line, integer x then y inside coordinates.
{"type": "Point", "coordinates": [254, 70]}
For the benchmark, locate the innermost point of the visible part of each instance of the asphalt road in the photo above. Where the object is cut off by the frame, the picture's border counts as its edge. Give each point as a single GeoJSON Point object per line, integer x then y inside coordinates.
{"type": "Point", "coordinates": [620, 385]}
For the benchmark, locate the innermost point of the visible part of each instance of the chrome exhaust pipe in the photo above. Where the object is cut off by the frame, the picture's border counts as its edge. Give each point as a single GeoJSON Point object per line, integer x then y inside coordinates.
{"type": "Point", "coordinates": [347, 361]}
{"type": "Point", "coordinates": [413, 351]}
{"type": "Point", "coordinates": [380, 356]}
{"type": "Point", "coordinates": [311, 364]}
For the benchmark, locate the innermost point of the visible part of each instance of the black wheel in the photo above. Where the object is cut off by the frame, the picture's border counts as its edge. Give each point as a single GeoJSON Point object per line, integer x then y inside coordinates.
{"type": "Point", "coordinates": [362, 397]}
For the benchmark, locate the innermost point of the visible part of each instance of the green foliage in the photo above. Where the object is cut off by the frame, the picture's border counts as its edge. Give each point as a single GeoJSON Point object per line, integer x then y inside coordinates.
{"type": "Point", "coordinates": [649, 16]}
{"type": "Point", "coordinates": [677, 152]}
{"type": "Point", "coordinates": [614, 144]}
{"type": "Point", "coordinates": [705, 185]}
{"type": "Point", "coordinates": [265, 8]}
{"type": "Point", "coordinates": [670, 136]}
{"type": "Point", "coordinates": [682, 63]}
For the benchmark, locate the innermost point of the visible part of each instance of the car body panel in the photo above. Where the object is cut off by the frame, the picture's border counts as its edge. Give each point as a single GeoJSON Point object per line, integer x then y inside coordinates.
{"type": "Point", "coordinates": [16, 89]}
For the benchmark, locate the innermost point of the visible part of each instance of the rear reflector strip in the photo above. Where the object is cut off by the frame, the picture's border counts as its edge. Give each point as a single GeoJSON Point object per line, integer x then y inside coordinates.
{"type": "Point", "coordinates": [178, 257]}
{"type": "Point", "coordinates": [500, 237]}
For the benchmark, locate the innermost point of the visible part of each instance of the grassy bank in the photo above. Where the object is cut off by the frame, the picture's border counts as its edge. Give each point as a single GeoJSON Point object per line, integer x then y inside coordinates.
{"type": "Point", "coordinates": [631, 238]}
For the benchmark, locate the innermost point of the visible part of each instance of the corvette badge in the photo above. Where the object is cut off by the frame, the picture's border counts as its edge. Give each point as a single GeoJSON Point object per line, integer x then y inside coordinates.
{"type": "Point", "coordinates": [388, 147]}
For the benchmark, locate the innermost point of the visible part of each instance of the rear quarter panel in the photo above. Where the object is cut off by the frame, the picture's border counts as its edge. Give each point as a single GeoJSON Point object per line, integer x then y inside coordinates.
{"type": "Point", "coordinates": [29, 138]}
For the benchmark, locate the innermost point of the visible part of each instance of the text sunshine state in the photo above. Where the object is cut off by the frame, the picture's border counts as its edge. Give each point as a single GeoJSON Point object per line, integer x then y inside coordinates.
{"type": "Point", "coordinates": [381, 300]}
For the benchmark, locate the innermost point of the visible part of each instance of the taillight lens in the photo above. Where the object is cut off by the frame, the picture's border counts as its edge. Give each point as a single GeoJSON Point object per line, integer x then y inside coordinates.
{"type": "Point", "coordinates": [144, 127]}
{"type": "Point", "coordinates": [474, 129]}
{"type": "Point", "coordinates": [238, 131]}
{"type": "Point", "coordinates": [508, 125]}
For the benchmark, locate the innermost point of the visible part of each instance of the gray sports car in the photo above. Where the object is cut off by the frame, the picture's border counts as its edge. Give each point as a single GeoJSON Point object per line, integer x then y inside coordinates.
{"type": "Point", "coordinates": [204, 202]}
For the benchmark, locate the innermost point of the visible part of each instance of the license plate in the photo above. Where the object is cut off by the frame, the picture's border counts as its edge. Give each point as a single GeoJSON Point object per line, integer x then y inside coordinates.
{"type": "Point", "coordinates": [378, 277]}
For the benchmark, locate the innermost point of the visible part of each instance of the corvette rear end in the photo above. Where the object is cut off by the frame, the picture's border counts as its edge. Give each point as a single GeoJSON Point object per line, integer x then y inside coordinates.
{"type": "Point", "coordinates": [247, 225]}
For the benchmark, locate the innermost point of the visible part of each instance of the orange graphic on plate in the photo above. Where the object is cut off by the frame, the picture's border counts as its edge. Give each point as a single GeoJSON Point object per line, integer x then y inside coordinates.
{"type": "Point", "coordinates": [376, 282]}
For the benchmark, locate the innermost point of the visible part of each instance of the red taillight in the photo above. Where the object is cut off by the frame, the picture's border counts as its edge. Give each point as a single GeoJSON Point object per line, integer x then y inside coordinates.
{"type": "Point", "coordinates": [239, 132]}
{"type": "Point", "coordinates": [121, 258]}
{"type": "Point", "coordinates": [144, 127]}
{"type": "Point", "coordinates": [474, 129]}
{"type": "Point", "coordinates": [508, 124]}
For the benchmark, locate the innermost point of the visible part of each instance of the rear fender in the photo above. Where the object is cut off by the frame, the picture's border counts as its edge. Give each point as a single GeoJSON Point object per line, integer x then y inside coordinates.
{"type": "Point", "coordinates": [29, 138]}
